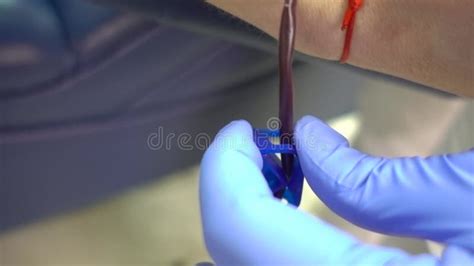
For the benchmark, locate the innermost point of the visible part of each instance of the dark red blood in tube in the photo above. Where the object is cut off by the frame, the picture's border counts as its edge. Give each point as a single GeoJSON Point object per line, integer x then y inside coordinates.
{"type": "Point", "coordinates": [286, 47]}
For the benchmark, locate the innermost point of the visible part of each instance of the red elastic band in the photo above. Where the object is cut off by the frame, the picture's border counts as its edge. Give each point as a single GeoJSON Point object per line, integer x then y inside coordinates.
{"type": "Point", "coordinates": [348, 26]}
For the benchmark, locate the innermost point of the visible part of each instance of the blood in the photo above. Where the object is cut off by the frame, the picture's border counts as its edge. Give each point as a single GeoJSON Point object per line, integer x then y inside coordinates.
{"type": "Point", "coordinates": [286, 49]}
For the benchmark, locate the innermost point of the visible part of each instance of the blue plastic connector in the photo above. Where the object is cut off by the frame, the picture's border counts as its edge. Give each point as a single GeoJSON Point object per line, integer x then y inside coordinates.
{"type": "Point", "coordinates": [289, 188]}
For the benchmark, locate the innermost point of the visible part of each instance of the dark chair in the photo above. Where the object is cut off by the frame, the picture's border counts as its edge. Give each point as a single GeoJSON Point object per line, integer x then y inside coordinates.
{"type": "Point", "coordinates": [84, 88]}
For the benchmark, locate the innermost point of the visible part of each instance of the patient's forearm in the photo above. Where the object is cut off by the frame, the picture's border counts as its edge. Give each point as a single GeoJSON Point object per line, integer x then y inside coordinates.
{"type": "Point", "coordinates": [427, 41]}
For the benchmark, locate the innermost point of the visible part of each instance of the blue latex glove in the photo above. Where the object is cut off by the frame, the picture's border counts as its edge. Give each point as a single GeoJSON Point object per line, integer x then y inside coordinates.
{"type": "Point", "coordinates": [244, 225]}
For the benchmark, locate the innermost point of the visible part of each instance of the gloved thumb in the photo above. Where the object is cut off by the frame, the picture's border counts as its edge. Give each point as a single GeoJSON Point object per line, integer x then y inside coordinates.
{"type": "Point", "coordinates": [334, 170]}
{"type": "Point", "coordinates": [399, 196]}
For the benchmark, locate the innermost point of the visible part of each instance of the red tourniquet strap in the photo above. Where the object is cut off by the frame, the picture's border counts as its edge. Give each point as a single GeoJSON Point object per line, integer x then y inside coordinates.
{"type": "Point", "coordinates": [348, 26]}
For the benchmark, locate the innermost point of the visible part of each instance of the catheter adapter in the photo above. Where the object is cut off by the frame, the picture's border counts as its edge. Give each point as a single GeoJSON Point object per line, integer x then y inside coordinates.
{"type": "Point", "coordinates": [281, 187]}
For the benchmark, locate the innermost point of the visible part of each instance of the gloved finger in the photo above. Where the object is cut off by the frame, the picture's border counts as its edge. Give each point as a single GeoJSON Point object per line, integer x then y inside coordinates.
{"type": "Point", "coordinates": [244, 225]}
{"type": "Point", "coordinates": [457, 256]}
{"type": "Point", "coordinates": [234, 143]}
{"type": "Point", "coordinates": [402, 196]}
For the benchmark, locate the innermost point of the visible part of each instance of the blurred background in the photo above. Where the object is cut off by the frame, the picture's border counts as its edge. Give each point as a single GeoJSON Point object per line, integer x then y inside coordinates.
{"type": "Point", "coordinates": [86, 85]}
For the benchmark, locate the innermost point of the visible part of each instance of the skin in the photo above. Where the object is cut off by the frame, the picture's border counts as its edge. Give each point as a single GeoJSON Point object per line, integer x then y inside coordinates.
{"type": "Point", "coordinates": [426, 41]}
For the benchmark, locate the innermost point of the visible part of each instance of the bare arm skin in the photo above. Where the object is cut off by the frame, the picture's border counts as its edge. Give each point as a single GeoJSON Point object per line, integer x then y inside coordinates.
{"type": "Point", "coordinates": [426, 41]}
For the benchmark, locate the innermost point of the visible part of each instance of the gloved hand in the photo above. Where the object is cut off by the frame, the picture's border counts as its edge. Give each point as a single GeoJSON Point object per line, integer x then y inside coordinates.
{"type": "Point", "coordinates": [244, 225]}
